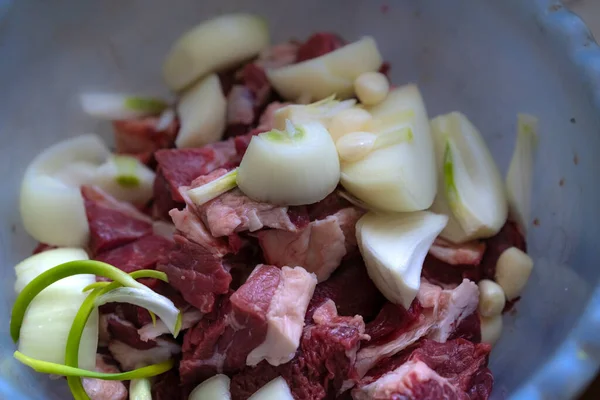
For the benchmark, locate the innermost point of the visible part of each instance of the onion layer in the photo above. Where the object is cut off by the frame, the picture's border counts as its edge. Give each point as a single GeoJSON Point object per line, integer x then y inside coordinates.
{"type": "Point", "coordinates": [216, 387]}
{"type": "Point", "coordinates": [400, 174]}
{"type": "Point", "coordinates": [470, 188]}
{"type": "Point", "coordinates": [394, 247]}
{"type": "Point", "coordinates": [114, 106]}
{"type": "Point", "coordinates": [293, 167]}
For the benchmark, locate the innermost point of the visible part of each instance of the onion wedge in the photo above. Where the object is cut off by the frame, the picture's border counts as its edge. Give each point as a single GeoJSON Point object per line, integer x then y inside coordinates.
{"type": "Point", "coordinates": [394, 247]}
{"type": "Point", "coordinates": [216, 387]}
{"type": "Point", "coordinates": [113, 106]}
{"type": "Point", "coordinates": [470, 187]}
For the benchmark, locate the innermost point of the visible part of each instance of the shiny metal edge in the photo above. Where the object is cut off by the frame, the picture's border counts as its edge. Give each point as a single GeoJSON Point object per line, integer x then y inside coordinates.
{"type": "Point", "coordinates": [576, 361]}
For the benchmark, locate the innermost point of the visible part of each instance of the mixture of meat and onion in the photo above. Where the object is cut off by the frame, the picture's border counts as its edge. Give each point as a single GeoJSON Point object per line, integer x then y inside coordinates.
{"type": "Point", "coordinates": [291, 226]}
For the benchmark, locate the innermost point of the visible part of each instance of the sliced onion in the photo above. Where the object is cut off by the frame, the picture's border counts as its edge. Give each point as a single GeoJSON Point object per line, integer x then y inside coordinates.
{"type": "Point", "coordinates": [400, 176]}
{"type": "Point", "coordinates": [148, 299]}
{"type": "Point", "coordinates": [207, 192]}
{"type": "Point", "coordinates": [49, 317]}
{"type": "Point", "coordinates": [394, 247]}
{"type": "Point", "coordinates": [332, 73]}
{"type": "Point", "coordinates": [49, 199]}
{"type": "Point", "coordinates": [293, 167]}
{"type": "Point", "coordinates": [321, 111]}
{"type": "Point", "coordinates": [125, 178]}
{"type": "Point", "coordinates": [519, 179]}
{"type": "Point", "coordinates": [214, 45]}
{"type": "Point", "coordinates": [114, 106]}
{"type": "Point", "coordinates": [470, 188]}
{"type": "Point", "coordinates": [202, 112]}
{"type": "Point", "coordinates": [277, 389]}
{"type": "Point", "coordinates": [140, 389]}
{"type": "Point", "coordinates": [216, 387]}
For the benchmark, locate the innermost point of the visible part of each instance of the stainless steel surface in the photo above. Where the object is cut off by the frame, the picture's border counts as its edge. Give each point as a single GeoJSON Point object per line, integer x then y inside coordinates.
{"type": "Point", "coordinates": [489, 59]}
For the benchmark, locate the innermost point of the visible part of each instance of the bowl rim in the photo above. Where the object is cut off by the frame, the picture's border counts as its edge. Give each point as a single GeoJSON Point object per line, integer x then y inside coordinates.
{"type": "Point", "coordinates": [576, 361]}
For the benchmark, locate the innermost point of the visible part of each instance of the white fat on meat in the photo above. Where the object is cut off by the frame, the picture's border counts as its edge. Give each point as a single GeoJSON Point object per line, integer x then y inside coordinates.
{"type": "Point", "coordinates": [152, 331]}
{"type": "Point", "coordinates": [103, 332]}
{"type": "Point", "coordinates": [443, 310]}
{"type": "Point", "coordinates": [411, 379]}
{"type": "Point", "coordinates": [285, 317]}
{"type": "Point", "coordinates": [240, 106]}
{"type": "Point", "coordinates": [319, 247]}
{"type": "Point", "coordinates": [130, 358]}
{"type": "Point", "coordinates": [190, 226]}
{"type": "Point", "coordinates": [469, 253]}
{"type": "Point", "coordinates": [99, 389]}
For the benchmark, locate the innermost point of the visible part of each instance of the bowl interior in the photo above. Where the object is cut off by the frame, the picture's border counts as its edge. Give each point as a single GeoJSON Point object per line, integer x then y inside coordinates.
{"type": "Point", "coordinates": [488, 59]}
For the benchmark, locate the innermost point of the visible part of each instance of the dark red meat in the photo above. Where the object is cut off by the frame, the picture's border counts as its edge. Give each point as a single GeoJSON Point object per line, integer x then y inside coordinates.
{"type": "Point", "coordinates": [469, 329]}
{"type": "Point", "coordinates": [351, 290]}
{"type": "Point", "coordinates": [319, 44]}
{"type": "Point", "coordinates": [141, 254]}
{"type": "Point", "coordinates": [196, 272]}
{"type": "Point", "coordinates": [112, 223]}
{"type": "Point", "coordinates": [143, 135]}
{"type": "Point", "coordinates": [392, 318]}
{"type": "Point", "coordinates": [126, 332]}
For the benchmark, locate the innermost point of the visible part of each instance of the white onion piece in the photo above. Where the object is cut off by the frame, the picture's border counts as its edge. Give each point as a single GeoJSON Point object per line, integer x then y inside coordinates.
{"type": "Point", "coordinates": [148, 299]}
{"type": "Point", "coordinates": [322, 111]}
{"type": "Point", "coordinates": [352, 120]}
{"type": "Point", "coordinates": [49, 317]}
{"type": "Point", "coordinates": [277, 389]}
{"type": "Point", "coordinates": [213, 46]}
{"type": "Point", "coordinates": [114, 106]}
{"type": "Point", "coordinates": [394, 247]}
{"type": "Point", "coordinates": [519, 179]}
{"type": "Point", "coordinates": [151, 331]}
{"type": "Point", "coordinates": [214, 388]}
{"type": "Point", "coordinates": [125, 178]}
{"type": "Point", "coordinates": [491, 329]}
{"type": "Point", "coordinates": [205, 193]}
{"type": "Point", "coordinates": [399, 177]}
{"type": "Point", "coordinates": [49, 199]}
{"type": "Point", "coordinates": [470, 188]}
{"type": "Point", "coordinates": [331, 73]}
{"type": "Point", "coordinates": [293, 167]}
{"type": "Point", "coordinates": [202, 112]}
{"type": "Point", "coordinates": [140, 389]}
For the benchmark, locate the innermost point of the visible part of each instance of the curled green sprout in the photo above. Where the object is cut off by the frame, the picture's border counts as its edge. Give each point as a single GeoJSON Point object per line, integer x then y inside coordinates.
{"type": "Point", "coordinates": [70, 369]}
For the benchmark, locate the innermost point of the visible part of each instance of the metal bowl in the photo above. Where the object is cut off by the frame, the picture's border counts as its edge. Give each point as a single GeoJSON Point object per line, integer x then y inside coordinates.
{"type": "Point", "coordinates": [487, 58]}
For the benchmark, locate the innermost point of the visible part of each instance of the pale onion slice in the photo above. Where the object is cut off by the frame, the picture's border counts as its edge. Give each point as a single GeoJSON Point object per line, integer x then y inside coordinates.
{"type": "Point", "coordinates": [115, 106]}
{"type": "Point", "coordinates": [293, 167]}
{"type": "Point", "coordinates": [321, 111]}
{"type": "Point", "coordinates": [519, 179]}
{"type": "Point", "coordinates": [208, 191]}
{"type": "Point", "coordinates": [394, 247]}
{"type": "Point", "coordinates": [277, 389]}
{"type": "Point", "coordinates": [202, 112]}
{"type": "Point", "coordinates": [140, 389]}
{"type": "Point", "coordinates": [400, 177]}
{"type": "Point", "coordinates": [148, 299]}
{"type": "Point", "coordinates": [332, 73]}
{"type": "Point", "coordinates": [214, 45]}
{"type": "Point", "coordinates": [216, 387]}
{"type": "Point", "coordinates": [470, 187]}
{"type": "Point", "coordinates": [125, 178]}
{"type": "Point", "coordinates": [49, 199]}
{"type": "Point", "coordinates": [49, 317]}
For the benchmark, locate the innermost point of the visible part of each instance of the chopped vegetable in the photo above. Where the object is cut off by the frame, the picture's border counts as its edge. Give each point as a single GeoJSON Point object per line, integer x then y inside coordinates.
{"type": "Point", "coordinates": [371, 88]}
{"type": "Point", "coordinates": [214, 45]}
{"type": "Point", "coordinates": [49, 200]}
{"type": "Point", "coordinates": [491, 298]}
{"type": "Point", "coordinates": [491, 329]}
{"type": "Point", "coordinates": [332, 73]}
{"type": "Point", "coordinates": [216, 387]}
{"type": "Point", "coordinates": [49, 317]}
{"type": "Point", "coordinates": [355, 146]}
{"type": "Point", "coordinates": [125, 178]}
{"type": "Point", "coordinates": [202, 112]}
{"type": "Point", "coordinates": [293, 167]}
{"type": "Point", "coordinates": [402, 175]}
{"type": "Point", "coordinates": [115, 106]}
{"type": "Point", "coordinates": [519, 179]}
{"type": "Point", "coordinates": [277, 389]}
{"type": "Point", "coordinates": [207, 192]}
{"type": "Point", "coordinates": [140, 389]}
{"type": "Point", "coordinates": [394, 247]}
{"type": "Point", "coordinates": [513, 269]}
{"type": "Point", "coordinates": [322, 111]}
{"type": "Point", "coordinates": [470, 188]}
{"type": "Point", "coordinates": [346, 121]}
